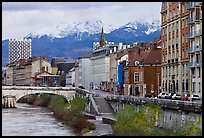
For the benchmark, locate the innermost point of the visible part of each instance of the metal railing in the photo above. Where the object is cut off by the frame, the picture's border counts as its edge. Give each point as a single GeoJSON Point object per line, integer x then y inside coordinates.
{"type": "Point", "coordinates": [190, 5]}
{"type": "Point", "coordinates": [193, 64]}
{"type": "Point", "coordinates": [197, 4]}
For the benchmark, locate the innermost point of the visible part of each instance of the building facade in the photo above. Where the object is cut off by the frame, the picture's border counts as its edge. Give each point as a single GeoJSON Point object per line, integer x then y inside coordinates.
{"type": "Point", "coordinates": [76, 74]}
{"type": "Point", "coordinates": [85, 71]}
{"type": "Point", "coordinates": [19, 49]}
{"type": "Point", "coordinates": [195, 49]}
{"type": "Point", "coordinates": [174, 39]}
{"type": "Point", "coordinates": [70, 77]}
{"type": "Point", "coordinates": [100, 62]}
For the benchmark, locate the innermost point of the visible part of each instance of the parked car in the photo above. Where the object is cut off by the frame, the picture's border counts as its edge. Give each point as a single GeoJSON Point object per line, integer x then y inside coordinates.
{"type": "Point", "coordinates": [176, 97]}
{"type": "Point", "coordinates": [195, 97]}
{"type": "Point", "coordinates": [170, 95]}
{"type": "Point", "coordinates": [186, 97]}
{"type": "Point", "coordinates": [81, 87]}
{"type": "Point", "coordinates": [163, 95]}
{"type": "Point", "coordinates": [148, 95]}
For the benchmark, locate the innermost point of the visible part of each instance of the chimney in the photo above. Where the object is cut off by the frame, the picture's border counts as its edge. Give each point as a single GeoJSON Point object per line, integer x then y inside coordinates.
{"type": "Point", "coordinates": [139, 51]}
{"type": "Point", "coordinates": [114, 49]}
{"type": "Point", "coordinates": [110, 51]}
{"type": "Point", "coordinates": [120, 46]}
{"type": "Point", "coordinates": [124, 46]}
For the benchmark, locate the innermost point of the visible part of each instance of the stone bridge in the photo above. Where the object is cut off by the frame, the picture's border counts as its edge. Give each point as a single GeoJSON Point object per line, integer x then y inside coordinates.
{"type": "Point", "coordinates": [11, 94]}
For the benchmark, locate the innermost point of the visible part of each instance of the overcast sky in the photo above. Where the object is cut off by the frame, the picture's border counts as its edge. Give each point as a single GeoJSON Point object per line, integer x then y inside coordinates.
{"type": "Point", "coordinates": [21, 18]}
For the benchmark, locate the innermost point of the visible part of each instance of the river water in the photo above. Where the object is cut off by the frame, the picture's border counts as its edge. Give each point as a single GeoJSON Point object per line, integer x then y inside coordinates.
{"type": "Point", "coordinates": [28, 120]}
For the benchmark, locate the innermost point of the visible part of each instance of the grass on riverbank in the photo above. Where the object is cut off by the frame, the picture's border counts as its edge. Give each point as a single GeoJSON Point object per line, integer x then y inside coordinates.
{"type": "Point", "coordinates": [71, 113]}
{"type": "Point", "coordinates": [140, 121]}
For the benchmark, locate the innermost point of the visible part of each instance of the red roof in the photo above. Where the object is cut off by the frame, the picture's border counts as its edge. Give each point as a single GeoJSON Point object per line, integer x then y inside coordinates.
{"type": "Point", "coordinates": [86, 56]}
{"type": "Point", "coordinates": [154, 57]}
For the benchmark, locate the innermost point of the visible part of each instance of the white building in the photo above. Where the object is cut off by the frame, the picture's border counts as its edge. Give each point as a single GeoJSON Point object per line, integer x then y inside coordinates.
{"type": "Point", "coordinates": [19, 49]}
{"type": "Point", "coordinates": [70, 77]}
{"type": "Point", "coordinates": [84, 75]}
{"type": "Point", "coordinates": [195, 50]}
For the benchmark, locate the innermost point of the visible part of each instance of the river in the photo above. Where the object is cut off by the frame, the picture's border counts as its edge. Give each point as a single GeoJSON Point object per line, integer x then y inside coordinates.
{"type": "Point", "coordinates": [28, 120]}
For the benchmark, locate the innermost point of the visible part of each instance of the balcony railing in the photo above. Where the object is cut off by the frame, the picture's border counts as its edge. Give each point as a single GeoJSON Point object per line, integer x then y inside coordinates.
{"type": "Point", "coordinates": [197, 4]}
{"type": "Point", "coordinates": [193, 64]}
{"type": "Point", "coordinates": [190, 21]}
{"type": "Point", "coordinates": [198, 48]}
{"type": "Point", "coordinates": [190, 35]}
{"type": "Point", "coordinates": [194, 33]}
{"type": "Point", "coordinates": [198, 33]}
{"type": "Point", "coordinates": [193, 49]}
{"type": "Point", "coordinates": [190, 6]}
{"type": "Point", "coordinates": [190, 50]}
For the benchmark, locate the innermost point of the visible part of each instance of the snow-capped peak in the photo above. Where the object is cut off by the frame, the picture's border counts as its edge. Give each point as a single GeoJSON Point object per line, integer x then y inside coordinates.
{"type": "Point", "coordinates": [143, 25]}
{"type": "Point", "coordinates": [73, 27]}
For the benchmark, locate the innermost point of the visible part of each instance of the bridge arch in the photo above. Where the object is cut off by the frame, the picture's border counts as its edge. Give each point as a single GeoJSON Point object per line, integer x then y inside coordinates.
{"type": "Point", "coordinates": [68, 93]}
{"type": "Point", "coordinates": [40, 94]}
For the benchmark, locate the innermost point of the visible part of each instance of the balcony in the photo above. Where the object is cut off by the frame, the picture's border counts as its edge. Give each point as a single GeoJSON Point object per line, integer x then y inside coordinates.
{"type": "Point", "coordinates": [190, 21]}
{"type": "Point", "coordinates": [193, 49]}
{"type": "Point", "coordinates": [197, 4]}
{"type": "Point", "coordinates": [194, 64]}
{"type": "Point", "coordinates": [198, 33]}
{"type": "Point", "coordinates": [190, 6]}
{"type": "Point", "coordinates": [198, 48]}
{"type": "Point", "coordinates": [190, 35]}
{"type": "Point", "coordinates": [190, 50]}
{"type": "Point", "coordinates": [197, 18]}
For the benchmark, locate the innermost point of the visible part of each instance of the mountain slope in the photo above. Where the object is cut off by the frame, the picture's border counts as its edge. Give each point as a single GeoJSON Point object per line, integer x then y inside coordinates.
{"type": "Point", "coordinates": [73, 40]}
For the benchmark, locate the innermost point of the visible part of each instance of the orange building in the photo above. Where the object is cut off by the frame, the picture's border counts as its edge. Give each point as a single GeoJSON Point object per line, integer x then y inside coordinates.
{"type": "Point", "coordinates": [174, 39]}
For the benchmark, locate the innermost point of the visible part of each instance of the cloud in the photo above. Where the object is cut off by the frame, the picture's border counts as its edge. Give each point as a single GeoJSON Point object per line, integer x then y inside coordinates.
{"type": "Point", "coordinates": [22, 18]}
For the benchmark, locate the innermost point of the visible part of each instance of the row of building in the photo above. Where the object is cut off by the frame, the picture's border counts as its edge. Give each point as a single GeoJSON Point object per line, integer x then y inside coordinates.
{"type": "Point", "coordinates": [181, 38]}
{"type": "Point", "coordinates": [36, 71]}
{"type": "Point", "coordinates": [127, 69]}
{"type": "Point", "coordinates": [177, 69]}
{"type": "Point", "coordinates": [172, 64]}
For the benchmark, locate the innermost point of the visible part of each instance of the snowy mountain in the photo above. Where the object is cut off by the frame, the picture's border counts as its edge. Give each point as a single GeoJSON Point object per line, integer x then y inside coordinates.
{"type": "Point", "coordinates": [73, 39]}
{"type": "Point", "coordinates": [72, 28]}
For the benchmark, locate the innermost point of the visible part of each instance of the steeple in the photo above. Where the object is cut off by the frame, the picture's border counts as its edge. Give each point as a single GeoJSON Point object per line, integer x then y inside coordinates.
{"type": "Point", "coordinates": [102, 39]}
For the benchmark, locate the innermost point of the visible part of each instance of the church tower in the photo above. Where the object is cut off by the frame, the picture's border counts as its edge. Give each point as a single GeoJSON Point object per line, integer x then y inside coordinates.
{"type": "Point", "coordinates": [102, 39]}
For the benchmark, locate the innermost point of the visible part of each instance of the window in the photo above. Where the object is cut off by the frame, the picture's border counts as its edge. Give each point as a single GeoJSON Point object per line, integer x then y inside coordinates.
{"type": "Point", "coordinates": [197, 58]}
{"type": "Point", "coordinates": [176, 46]}
{"type": "Point", "coordinates": [186, 37]}
{"type": "Point", "coordinates": [193, 72]}
{"type": "Point", "coordinates": [193, 86]}
{"type": "Point", "coordinates": [182, 24]}
{"type": "Point", "coordinates": [177, 85]}
{"type": "Point", "coordinates": [152, 88]}
{"type": "Point", "coordinates": [176, 70]}
{"type": "Point", "coordinates": [136, 77]}
{"type": "Point", "coordinates": [187, 85]}
{"type": "Point", "coordinates": [198, 72]}
{"type": "Point", "coordinates": [140, 75]}
{"type": "Point", "coordinates": [186, 22]}
{"type": "Point", "coordinates": [198, 87]}
{"type": "Point", "coordinates": [182, 39]}
{"type": "Point", "coordinates": [183, 86]}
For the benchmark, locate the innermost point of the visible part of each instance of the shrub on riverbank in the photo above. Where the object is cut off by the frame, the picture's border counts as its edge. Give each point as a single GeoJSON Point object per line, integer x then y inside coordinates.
{"type": "Point", "coordinates": [143, 121]}
{"type": "Point", "coordinates": [69, 112]}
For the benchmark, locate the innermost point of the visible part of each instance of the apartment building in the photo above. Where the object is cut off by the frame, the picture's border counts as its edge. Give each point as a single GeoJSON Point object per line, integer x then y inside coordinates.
{"type": "Point", "coordinates": [100, 62]}
{"type": "Point", "coordinates": [19, 49]}
{"type": "Point", "coordinates": [85, 71]}
{"type": "Point", "coordinates": [195, 49]}
{"type": "Point", "coordinates": [175, 42]}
